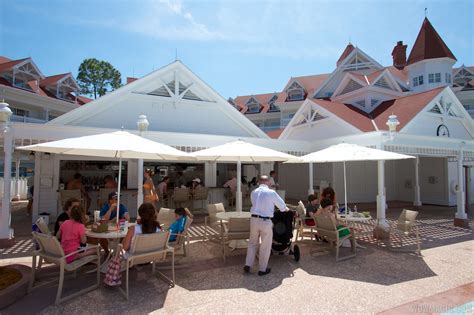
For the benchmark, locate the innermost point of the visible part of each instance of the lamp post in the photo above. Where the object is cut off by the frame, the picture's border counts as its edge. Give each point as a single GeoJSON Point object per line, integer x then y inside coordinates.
{"type": "Point", "coordinates": [6, 233]}
{"type": "Point", "coordinates": [142, 125]}
{"type": "Point", "coordinates": [382, 227]}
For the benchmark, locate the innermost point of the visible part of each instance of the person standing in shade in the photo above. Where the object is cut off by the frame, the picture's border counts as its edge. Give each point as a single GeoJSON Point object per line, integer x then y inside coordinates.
{"type": "Point", "coordinates": [264, 201]}
{"type": "Point", "coordinates": [273, 183]}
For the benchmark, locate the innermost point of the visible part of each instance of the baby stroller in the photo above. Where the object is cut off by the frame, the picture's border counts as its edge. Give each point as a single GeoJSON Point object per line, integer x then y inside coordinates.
{"type": "Point", "coordinates": [283, 226]}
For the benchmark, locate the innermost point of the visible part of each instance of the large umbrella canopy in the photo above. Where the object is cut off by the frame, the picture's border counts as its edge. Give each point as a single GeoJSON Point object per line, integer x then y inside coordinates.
{"type": "Point", "coordinates": [241, 151]}
{"type": "Point", "coordinates": [119, 144]}
{"type": "Point", "coordinates": [111, 145]}
{"type": "Point", "coordinates": [346, 152]}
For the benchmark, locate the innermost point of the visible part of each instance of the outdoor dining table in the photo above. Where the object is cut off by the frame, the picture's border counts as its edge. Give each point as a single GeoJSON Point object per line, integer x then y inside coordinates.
{"type": "Point", "coordinates": [225, 216]}
{"type": "Point", "coordinates": [351, 219]}
{"type": "Point", "coordinates": [113, 237]}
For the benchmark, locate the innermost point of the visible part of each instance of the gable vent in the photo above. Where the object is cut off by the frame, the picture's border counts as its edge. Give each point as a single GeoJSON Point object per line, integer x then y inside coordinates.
{"type": "Point", "coordinates": [162, 91]}
{"type": "Point", "coordinates": [382, 83]}
{"type": "Point", "coordinates": [191, 96]}
{"type": "Point", "coordinates": [351, 86]}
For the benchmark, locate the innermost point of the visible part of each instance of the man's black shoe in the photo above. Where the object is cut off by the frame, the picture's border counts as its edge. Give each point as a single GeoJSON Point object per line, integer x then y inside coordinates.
{"type": "Point", "coordinates": [266, 272]}
{"type": "Point", "coordinates": [246, 269]}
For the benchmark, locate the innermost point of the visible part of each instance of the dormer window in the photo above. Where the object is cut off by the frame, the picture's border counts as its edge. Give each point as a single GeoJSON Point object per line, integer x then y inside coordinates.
{"type": "Point", "coordinates": [253, 106]}
{"type": "Point", "coordinates": [273, 107]}
{"type": "Point", "coordinates": [295, 92]}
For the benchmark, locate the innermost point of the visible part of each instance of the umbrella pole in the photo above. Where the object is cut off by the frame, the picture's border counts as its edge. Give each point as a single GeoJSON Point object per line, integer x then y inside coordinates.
{"type": "Point", "coordinates": [238, 196]}
{"type": "Point", "coordinates": [119, 185]}
{"type": "Point", "coordinates": [345, 189]}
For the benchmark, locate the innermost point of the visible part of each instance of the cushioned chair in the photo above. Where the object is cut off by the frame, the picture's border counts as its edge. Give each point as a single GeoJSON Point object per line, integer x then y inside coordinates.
{"type": "Point", "coordinates": [327, 229]}
{"type": "Point", "coordinates": [52, 252]}
{"type": "Point", "coordinates": [403, 227]}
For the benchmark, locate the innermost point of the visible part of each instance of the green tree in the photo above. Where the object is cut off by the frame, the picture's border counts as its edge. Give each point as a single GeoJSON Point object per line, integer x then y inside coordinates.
{"type": "Point", "coordinates": [97, 77]}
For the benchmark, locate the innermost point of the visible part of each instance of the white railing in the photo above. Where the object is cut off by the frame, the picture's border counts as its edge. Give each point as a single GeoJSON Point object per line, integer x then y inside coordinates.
{"type": "Point", "coordinates": [26, 119]}
{"type": "Point", "coordinates": [23, 188]}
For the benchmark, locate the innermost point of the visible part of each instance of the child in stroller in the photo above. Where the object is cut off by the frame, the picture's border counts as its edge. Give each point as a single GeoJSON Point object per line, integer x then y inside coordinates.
{"type": "Point", "coordinates": [283, 226]}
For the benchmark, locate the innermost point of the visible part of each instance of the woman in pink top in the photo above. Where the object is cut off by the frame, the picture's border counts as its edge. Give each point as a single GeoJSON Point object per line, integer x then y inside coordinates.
{"type": "Point", "coordinates": [72, 234]}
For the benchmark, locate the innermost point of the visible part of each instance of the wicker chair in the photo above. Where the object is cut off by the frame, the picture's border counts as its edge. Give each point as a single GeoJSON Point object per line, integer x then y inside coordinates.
{"type": "Point", "coordinates": [405, 226]}
{"type": "Point", "coordinates": [52, 252]}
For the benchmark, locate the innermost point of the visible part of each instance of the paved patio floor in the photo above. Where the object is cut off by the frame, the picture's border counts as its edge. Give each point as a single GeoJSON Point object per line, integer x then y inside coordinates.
{"type": "Point", "coordinates": [376, 280]}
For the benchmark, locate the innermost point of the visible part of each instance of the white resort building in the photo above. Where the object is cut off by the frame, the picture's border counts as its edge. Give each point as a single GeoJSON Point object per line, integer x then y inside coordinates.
{"type": "Point", "coordinates": [352, 104]}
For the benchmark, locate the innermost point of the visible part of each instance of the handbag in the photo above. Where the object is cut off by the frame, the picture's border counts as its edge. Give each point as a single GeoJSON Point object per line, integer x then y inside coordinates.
{"type": "Point", "coordinates": [113, 276]}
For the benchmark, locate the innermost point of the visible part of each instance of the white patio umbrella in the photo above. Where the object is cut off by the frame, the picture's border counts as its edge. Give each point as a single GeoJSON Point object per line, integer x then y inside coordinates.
{"type": "Point", "coordinates": [241, 151]}
{"type": "Point", "coordinates": [119, 144]}
{"type": "Point", "coordinates": [346, 152]}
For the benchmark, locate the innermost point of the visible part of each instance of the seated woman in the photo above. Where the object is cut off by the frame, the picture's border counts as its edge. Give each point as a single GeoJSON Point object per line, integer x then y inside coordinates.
{"type": "Point", "coordinates": [145, 225]}
{"type": "Point", "coordinates": [327, 209]}
{"type": "Point", "coordinates": [63, 217]}
{"type": "Point", "coordinates": [72, 234]}
{"type": "Point", "coordinates": [178, 226]}
{"type": "Point", "coordinates": [311, 208]}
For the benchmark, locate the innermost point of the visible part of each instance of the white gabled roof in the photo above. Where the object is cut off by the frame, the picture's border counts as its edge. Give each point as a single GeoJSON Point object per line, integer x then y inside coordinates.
{"type": "Point", "coordinates": [174, 100]}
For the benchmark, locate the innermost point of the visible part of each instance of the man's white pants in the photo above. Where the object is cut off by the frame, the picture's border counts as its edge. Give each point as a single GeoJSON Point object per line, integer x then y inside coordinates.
{"type": "Point", "coordinates": [260, 229]}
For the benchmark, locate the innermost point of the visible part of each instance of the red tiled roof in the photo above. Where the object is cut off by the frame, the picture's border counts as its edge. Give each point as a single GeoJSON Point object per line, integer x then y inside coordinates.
{"type": "Point", "coordinates": [52, 79]}
{"type": "Point", "coordinates": [10, 64]}
{"type": "Point", "coordinates": [349, 48]}
{"type": "Point", "coordinates": [401, 74]}
{"type": "Point", "coordinates": [428, 45]}
{"type": "Point", "coordinates": [310, 82]}
{"type": "Point", "coordinates": [130, 79]}
{"type": "Point", "coordinates": [4, 59]}
{"type": "Point", "coordinates": [406, 108]}
{"type": "Point", "coordinates": [275, 134]}
{"type": "Point", "coordinates": [263, 99]}
{"type": "Point", "coordinates": [81, 100]}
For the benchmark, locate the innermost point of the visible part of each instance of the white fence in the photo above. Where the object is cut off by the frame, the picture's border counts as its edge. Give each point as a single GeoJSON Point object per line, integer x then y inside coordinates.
{"type": "Point", "coordinates": [23, 187]}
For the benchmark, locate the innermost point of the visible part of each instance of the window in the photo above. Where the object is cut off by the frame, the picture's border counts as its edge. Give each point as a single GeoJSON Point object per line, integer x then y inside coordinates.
{"type": "Point", "coordinates": [20, 112]}
{"type": "Point", "coordinates": [295, 95]}
{"type": "Point", "coordinates": [437, 77]}
{"type": "Point", "coordinates": [448, 77]}
{"type": "Point", "coordinates": [431, 78]}
{"type": "Point", "coordinates": [415, 81]}
{"type": "Point", "coordinates": [420, 80]}
{"type": "Point", "coordinates": [254, 108]}
{"type": "Point", "coordinates": [273, 108]}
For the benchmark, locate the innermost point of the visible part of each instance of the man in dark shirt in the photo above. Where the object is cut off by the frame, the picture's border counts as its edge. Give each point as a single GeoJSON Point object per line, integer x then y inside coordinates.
{"type": "Point", "coordinates": [70, 203]}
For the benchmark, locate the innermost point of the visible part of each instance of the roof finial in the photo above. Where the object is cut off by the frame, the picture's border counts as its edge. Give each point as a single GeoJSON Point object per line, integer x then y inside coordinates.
{"type": "Point", "coordinates": [426, 12]}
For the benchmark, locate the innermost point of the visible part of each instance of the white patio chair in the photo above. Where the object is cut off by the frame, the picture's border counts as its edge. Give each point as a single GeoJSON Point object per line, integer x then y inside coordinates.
{"type": "Point", "coordinates": [146, 248]}
{"type": "Point", "coordinates": [302, 229]}
{"type": "Point", "coordinates": [236, 229]}
{"type": "Point", "coordinates": [211, 221]}
{"type": "Point", "coordinates": [166, 217]}
{"type": "Point", "coordinates": [52, 252]}
{"type": "Point", "coordinates": [405, 226]}
{"type": "Point", "coordinates": [182, 238]}
{"type": "Point", "coordinates": [327, 229]}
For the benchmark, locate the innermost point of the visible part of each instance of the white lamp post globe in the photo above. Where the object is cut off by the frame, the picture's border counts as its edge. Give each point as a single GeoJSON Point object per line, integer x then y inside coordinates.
{"type": "Point", "coordinates": [142, 123]}
{"type": "Point", "coordinates": [392, 123]}
{"type": "Point", "coordinates": [5, 112]}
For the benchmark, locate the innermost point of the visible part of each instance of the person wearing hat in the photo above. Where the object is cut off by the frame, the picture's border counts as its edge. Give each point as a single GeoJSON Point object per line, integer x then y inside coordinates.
{"type": "Point", "coordinates": [109, 210]}
{"type": "Point", "coordinates": [196, 183]}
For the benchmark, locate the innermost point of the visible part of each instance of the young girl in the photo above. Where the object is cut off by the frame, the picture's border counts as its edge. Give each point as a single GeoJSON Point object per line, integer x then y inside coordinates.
{"type": "Point", "coordinates": [72, 234]}
{"type": "Point", "coordinates": [148, 224]}
{"type": "Point", "coordinates": [178, 226]}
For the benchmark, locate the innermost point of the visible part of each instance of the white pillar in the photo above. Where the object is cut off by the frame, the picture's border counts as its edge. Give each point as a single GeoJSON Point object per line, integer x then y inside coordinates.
{"type": "Point", "coordinates": [310, 188]}
{"type": "Point", "coordinates": [382, 228]}
{"type": "Point", "coordinates": [6, 233]}
{"type": "Point", "coordinates": [238, 194]}
{"type": "Point", "coordinates": [140, 183]}
{"type": "Point", "coordinates": [36, 184]}
{"type": "Point", "coordinates": [461, 202]}
{"type": "Point", "coordinates": [210, 174]}
{"type": "Point", "coordinates": [17, 179]}
{"type": "Point", "coordinates": [417, 199]}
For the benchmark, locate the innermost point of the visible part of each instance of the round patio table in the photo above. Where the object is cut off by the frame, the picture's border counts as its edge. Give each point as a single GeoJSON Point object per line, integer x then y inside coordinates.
{"type": "Point", "coordinates": [225, 216]}
{"type": "Point", "coordinates": [113, 237]}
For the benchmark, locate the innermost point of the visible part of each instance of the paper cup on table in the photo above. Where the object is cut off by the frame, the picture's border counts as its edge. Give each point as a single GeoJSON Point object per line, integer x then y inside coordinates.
{"type": "Point", "coordinates": [96, 216]}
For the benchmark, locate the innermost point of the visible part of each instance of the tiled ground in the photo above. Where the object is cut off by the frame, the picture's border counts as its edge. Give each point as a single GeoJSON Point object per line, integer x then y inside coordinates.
{"type": "Point", "coordinates": [376, 280]}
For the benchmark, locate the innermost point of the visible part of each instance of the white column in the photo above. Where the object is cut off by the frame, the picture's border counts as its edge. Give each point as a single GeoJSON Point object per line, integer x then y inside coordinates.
{"type": "Point", "coordinates": [210, 174]}
{"type": "Point", "coordinates": [36, 184]}
{"type": "Point", "coordinates": [417, 201]}
{"type": "Point", "coordinates": [140, 183]}
{"type": "Point", "coordinates": [382, 228]}
{"type": "Point", "coordinates": [17, 179]}
{"type": "Point", "coordinates": [238, 194]}
{"type": "Point", "coordinates": [6, 232]}
{"type": "Point", "coordinates": [461, 202]}
{"type": "Point", "coordinates": [310, 188]}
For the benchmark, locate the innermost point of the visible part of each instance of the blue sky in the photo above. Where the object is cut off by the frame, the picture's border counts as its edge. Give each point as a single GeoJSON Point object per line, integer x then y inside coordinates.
{"type": "Point", "coordinates": [238, 47]}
